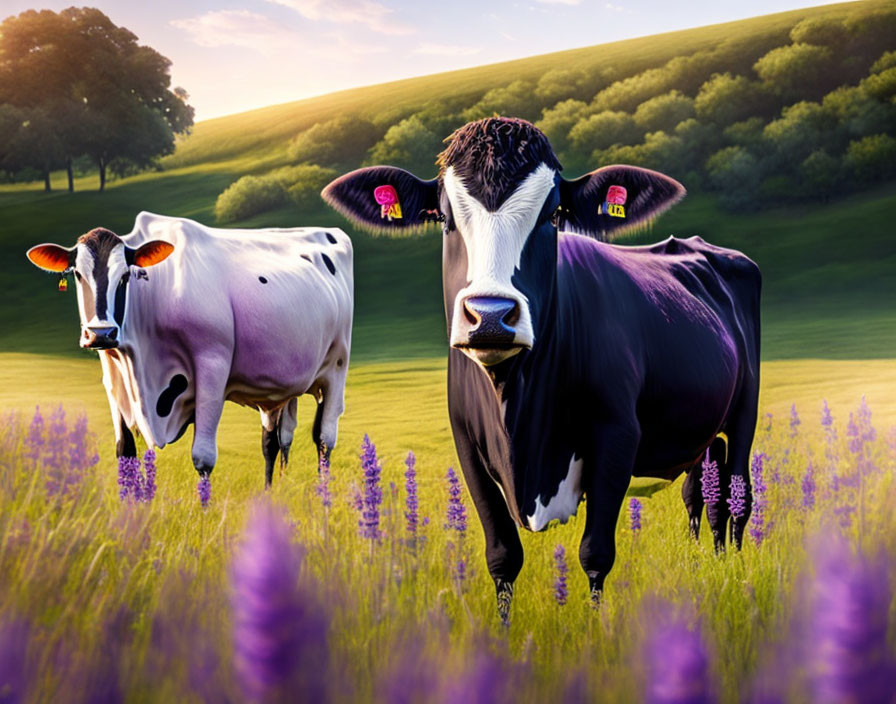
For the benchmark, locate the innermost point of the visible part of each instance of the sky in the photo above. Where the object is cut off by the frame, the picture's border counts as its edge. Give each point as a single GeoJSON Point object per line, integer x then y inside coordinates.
{"type": "Point", "coordinates": [235, 55]}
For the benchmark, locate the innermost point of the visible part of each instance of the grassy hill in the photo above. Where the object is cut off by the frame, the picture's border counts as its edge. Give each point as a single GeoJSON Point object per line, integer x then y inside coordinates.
{"type": "Point", "coordinates": [830, 269]}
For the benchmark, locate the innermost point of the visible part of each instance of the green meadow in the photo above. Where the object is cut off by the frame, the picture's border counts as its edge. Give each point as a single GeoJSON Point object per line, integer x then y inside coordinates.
{"type": "Point", "coordinates": [85, 569]}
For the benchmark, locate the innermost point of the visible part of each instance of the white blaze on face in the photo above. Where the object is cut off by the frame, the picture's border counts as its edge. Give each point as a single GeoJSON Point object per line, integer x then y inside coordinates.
{"type": "Point", "coordinates": [85, 264]}
{"type": "Point", "coordinates": [565, 503]}
{"type": "Point", "coordinates": [494, 243]}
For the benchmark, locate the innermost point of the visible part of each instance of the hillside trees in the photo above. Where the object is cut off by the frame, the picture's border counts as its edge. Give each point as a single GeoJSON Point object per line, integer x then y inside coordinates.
{"type": "Point", "coordinates": [84, 86]}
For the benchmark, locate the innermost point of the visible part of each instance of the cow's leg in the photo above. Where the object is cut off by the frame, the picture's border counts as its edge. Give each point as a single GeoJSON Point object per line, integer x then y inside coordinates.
{"type": "Point", "coordinates": [330, 406]}
{"type": "Point", "coordinates": [692, 494]}
{"type": "Point", "coordinates": [210, 383]}
{"type": "Point", "coordinates": [742, 425]}
{"type": "Point", "coordinates": [605, 478]}
{"type": "Point", "coordinates": [286, 428]}
{"type": "Point", "coordinates": [125, 446]}
{"type": "Point", "coordinates": [270, 443]}
{"type": "Point", "coordinates": [503, 549]}
{"type": "Point", "coordinates": [717, 513]}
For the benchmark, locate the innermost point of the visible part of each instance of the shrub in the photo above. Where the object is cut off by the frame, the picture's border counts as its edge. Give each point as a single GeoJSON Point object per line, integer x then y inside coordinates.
{"type": "Point", "coordinates": [797, 69]}
{"type": "Point", "coordinates": [819, 174]}
{"type": "Point", "coordinates": [735, 173]}
{"type": "Point", "coordinates": [802, 128]}
{"type": "Point", "coordinates": [560, 83]}
{"type": "Point", "coordinates": [409, 144]}
{"type": "Point", "coordinates": [251, 195]}
{"type": "Point", "coordinates": [871, 158]}
{"type": "Point", "coordinates": [725, 99]}
{"type": "Point", "coordinates": [337, 142]}
{"type": "Point", "coordinates": [820, 31]}
{"type": "Point", "coordinates": [557, 121]}
{"type": "Point", "coordinates": [513, 100]}
{"type": "Point", "coordinates": [248, 196]}
{"type": "Point", "coordinates": [664, 111]}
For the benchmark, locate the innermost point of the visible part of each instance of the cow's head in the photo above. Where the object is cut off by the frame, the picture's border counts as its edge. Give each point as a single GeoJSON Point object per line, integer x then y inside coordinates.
{"type": "Point", "coordinates": [501, 200]}
{"type": "Point", "coordinates": [101, 264]}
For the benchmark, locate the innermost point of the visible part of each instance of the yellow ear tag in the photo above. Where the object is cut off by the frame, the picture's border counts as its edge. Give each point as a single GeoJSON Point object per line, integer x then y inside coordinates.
{"type": "Point", "coordinates": [63, 283]}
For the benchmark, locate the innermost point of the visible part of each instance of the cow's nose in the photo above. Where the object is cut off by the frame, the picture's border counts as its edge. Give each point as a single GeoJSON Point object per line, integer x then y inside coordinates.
{"type": "Point", "coordinates": [97, 338]}
{"type": "Point", "coordinates": [491, 320]}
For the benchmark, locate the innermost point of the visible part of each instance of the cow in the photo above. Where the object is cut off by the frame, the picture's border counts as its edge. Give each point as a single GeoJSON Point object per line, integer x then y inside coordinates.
{"type": "Point", "coordinates": [185, 316]}
{"type": "Point", "coordinates": [575, 364]}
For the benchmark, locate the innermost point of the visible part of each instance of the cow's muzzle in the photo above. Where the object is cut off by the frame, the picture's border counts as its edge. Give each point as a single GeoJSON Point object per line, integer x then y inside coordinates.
{"type": "Point", "coordinates": [487, 329]}
{"type": "Point", "coordinates": [96, 338]}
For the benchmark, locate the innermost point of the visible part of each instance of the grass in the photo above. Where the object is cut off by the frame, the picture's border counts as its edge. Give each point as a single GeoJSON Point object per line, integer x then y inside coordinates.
{"type": "Point", "coordinates": [154, 578]}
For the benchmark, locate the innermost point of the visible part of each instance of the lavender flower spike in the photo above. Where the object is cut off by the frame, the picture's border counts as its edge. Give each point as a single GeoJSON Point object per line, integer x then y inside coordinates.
{"type": "Point", "coordinates": [757, 519]}
{"type": "Point", "coordinates": [808, 487]}
{"type": "Point", "coordinates": [34, 441]}
{"type": "Point", "coordinates": [130, 484]}
{"type": "Point", "coordinates": [369, 523]}
{"type": "Point", "coordinates": [279, 630]}
{"type": "Point", "coordinates": [709, 480]}
{"type": "Point", "coordinates": [794, 421]}
{"type": "Point", "coordinates": [456, 517]}
{"type": "Point", "coordinates": [679, 666]}
{"type": "Point", "coordinates": [737, 504]}
{"type": "Point", "coordinates": [204, 489]}
{"type": "Point", "coordinates": [323, 481]}
{"type": "Point", "coordinates": [634, 509]}
{"type": "Point", "coordinates": [561, 592]}
{"type": "Point", "coordinates": [410, 502]}
{"type": "Point", "coordinates": [849, 658]}
{"type": "Point", "coordinates": [149, 465]}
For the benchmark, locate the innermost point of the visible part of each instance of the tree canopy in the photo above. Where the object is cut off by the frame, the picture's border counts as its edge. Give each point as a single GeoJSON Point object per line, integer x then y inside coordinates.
{"type": "Point", "coordinates": [79, 85]}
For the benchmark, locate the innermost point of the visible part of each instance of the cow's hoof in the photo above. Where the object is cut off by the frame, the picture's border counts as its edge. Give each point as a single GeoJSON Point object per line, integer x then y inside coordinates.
{"type": "Point", "coordinates": [595, 589]}
{"type": "Point", "coordinates": [505, 598]}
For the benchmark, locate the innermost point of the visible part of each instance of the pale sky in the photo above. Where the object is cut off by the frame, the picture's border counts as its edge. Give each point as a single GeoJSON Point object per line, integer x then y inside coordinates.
{"type": "Point", "coordinates": [235, 55]}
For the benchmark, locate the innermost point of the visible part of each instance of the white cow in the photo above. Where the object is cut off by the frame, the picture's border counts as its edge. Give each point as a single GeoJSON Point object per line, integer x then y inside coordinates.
{"type": "Point", "coordinates": [186, 316]}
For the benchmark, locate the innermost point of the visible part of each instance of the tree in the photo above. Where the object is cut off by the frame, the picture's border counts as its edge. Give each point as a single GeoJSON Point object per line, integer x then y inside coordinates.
{"type": "Point", "coordinates": [559, 120]}
{"type": "Point", "coordinates": [735, 173]}
{"type": "Point", "coordinates": [871, 159]}
{"type": "Point", "coordinates": [560, 83]}
{"type": "Point", "coordinates": [101, 92]}
{"type": "Point", "coordinates": [600, 132]}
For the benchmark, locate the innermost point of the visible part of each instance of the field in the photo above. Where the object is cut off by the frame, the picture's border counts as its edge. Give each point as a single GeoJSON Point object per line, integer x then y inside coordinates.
{"type": "Point", "coordinates": [103, 599]}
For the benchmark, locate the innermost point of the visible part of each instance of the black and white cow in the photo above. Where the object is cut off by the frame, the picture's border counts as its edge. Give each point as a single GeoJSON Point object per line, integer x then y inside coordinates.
{"type": "Point", "coordinates": [186, 316]}
{"type": "Point", "coordinates": [575, 364]}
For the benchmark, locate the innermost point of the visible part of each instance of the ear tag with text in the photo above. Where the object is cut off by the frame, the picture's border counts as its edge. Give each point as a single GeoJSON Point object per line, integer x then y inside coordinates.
{"type": "Point", "coordinates": [387, 197]}
{"type": "Point", "coordinates": [63, 283]}
{"type": "Point", "coordinates": [614, 205]}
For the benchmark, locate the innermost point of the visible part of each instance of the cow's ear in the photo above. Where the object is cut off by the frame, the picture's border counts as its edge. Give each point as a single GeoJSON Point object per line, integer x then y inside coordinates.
{"type": "Point", "coordinates": [384, 199]}
{"type": "Point", "coordinates": [614, 199]}
{"type": "Point", "coordinates": [149, 253]}
{"type": "Point", "coordinates": [51, 257]}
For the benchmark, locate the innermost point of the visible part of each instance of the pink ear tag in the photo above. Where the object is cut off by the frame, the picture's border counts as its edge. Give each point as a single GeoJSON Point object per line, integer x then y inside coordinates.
{"type": "Point", "coordinates": [614, 205]}
{"type": "Point", "coordinates": [387, 197]}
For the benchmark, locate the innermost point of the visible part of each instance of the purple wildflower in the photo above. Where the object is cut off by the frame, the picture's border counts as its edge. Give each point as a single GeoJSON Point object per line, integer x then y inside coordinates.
{"type": "Point", "coordinates": [410, 502]}
{"type": "Point", "coordinates": [456, 517]}
{"type": "Point", "coordinates": [129, 478]}
{"type": "Point", "coordinates": [679, 666]}
{"type": "Point", "coordinates": [55, 446]}
{"type": "Point", "coordinates": [149, 465]}
{"type": "Point", "coordinates": [369, 523]}
{"type": "Point", "coordinates": [769, 418]}
{"type": "Point", "coordinates": [794, 421]}
{"type": "Point", "coordinates": [34, 441]}
{"type": "Point", "coordinates": [827, 420]}
{"type": "Point", "coordinates": [14, 636]}
{"type": "Point", "coordinates": [737, 504]}
{"type": "Point", "coordinates": [80, 441]}
{"type": "Point", "coordinates": [808, 486]}
{"type": "Point", "coordinates": [323, 482]}
{"type": "Point", "coordinates": [204, 489]}
{"type": "Point", "coordinates": [279, 630]}
{"type": "Point", "coordinates": [357, 500]}
{"type": "Point", "coordinates": [561, 592]}
{"type": "Point", "coordinates": [849, 655]}
{"type": "Point", "coordinates": [634, 511]}
{"type": "Point", "coordinates": [709, 480]}
{"type": "Point", "coordinates": [757, 519]}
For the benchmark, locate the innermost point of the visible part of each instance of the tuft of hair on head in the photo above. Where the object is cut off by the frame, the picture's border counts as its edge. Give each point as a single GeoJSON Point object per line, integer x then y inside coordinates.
{"type": "Point", "coordinates": [494, 150]}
